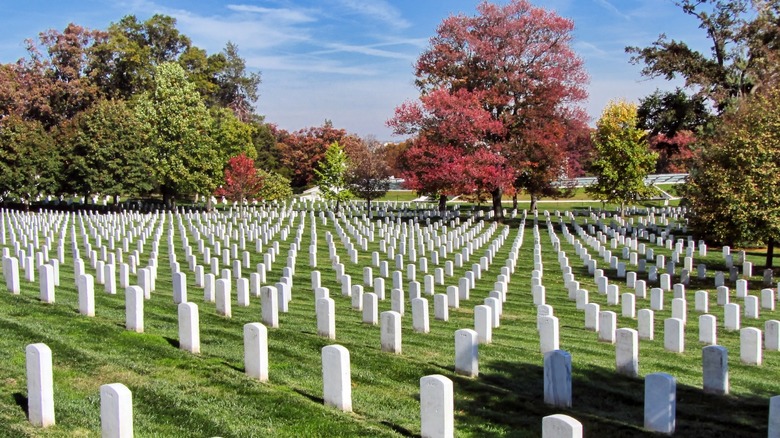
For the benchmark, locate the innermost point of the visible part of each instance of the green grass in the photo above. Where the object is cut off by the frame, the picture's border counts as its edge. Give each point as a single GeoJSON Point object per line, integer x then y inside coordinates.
{"type": "Point", "coordinates": [178, 394]}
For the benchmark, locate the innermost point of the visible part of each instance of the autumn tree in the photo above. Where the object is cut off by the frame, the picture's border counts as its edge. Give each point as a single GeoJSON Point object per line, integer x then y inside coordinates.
{"type": "Point", "coordinates": [103, 152]}
{"type": "Point", "coordinates": [743, 56]}
{"type": "Point", "coordinates": [52, 83]}
{"type": "Point", "coordinates": [368, 171]}
{"type": "Point", "coordinates": [300, 151]}
{"type": "Point", "coordinates": [331, 175]}
{"type": "Point", "coordinates": [242, 181]}
{"type": "Point", "coordinates": [183, 157]}
{"type": "Point", "coordinates": [623, 158]}
{"type": "Point", "coordinates": [431, 169]}
{"type": "Point", "coordinates": [733, 192]}
{"type": "Point", "coordinates": [495, 83]}
{"type": "Point", "coordinates": [673, 120]}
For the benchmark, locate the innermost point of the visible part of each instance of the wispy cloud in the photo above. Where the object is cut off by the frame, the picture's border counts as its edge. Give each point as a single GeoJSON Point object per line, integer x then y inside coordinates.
{"type": "Point", "coordinates": [587, 49]}
{"type": "Point", "coordinates": [299, 63]}
{"type": "Point", "coordinates": [370, 50]}
{"type": "Point", "coordinates": [610, 7]}
{"type": "Point", "coordinates": [285, 15]}
{"type": "Point", "coordinates": [378, 10]}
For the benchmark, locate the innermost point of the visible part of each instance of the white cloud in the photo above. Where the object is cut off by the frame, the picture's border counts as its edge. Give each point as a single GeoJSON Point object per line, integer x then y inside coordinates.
{"type": "Point", "coordinates": [284, 15]}
{"type": "Point", "coordinates": [300, 63]}
{"type": "Point", "coordinates": [378, 10]}
{"type": "Point", "coordinates": [370, 50]}
{"type": "Point", "coordinates": [611, 8]}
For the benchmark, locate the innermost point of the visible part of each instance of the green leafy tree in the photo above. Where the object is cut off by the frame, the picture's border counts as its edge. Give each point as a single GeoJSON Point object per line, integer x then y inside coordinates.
{"type": "Point", "coordinates": [275, 186]}
{"type": "Point", "coordinates": [237, 89]}
{"type": "Point", "coordinates": [623, 158]}
{"type": "Point", "coordinates": [29, 162]}
{"type": "Point", "coordinates": [331, 175]}
{"type": "Point", "coordinates": [233, 136]}
{"type": "Point", "coordinates": [745, 43]}
{"type": "Point", "coordinates": [183, 157]}
{"type": "Point", "coordinates": [733, 192]}
{"type": "Point", "coordinates": [103, 150]}
{"type": "Point", "coordinates": [264, 140]}
{"type": "Point", "coordinates": [124, 65]}
{"type": "Point", "coordinates": [202, 70]}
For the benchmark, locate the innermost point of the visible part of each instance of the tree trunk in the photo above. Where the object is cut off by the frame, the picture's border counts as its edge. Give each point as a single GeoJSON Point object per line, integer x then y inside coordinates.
{"type": "Point", "coordinates": [209, 204]}
{"type": "Point", "coordinates": [442, 204]}
{"type": "Point", "coordinates": [498, 209]}
{"type": "Point", "coordinates": [770, 253]}
{"type": "Point", "coordinates": [166, 196]}
{"type": "Point", "coordinates": [534, 199]}
{"type": "Point", "coordinates": [369, 206]}
{"type": "Point", "coordinates": [514, 201]}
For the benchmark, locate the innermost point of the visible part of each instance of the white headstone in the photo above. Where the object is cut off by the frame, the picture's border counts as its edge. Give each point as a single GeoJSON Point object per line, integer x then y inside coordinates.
{"type": "Point", "coordinates": [708, 331]}
{"type": "Point", "coordinates": [750, 346]}
{"type": "Point", "coordinates": [326, 318]}
{"type": "Point", "coordinates": [390, 327]}
{"type": "Point", "coordinates": [134, 309]}
{"type": "Point", "coordinates": [336, 377]}
{"type": "Point", "coordinates": [269, 303]}
{"type": "Point", "coordinates": [561, 426]}
{"type": "Point", "coordinates": [256, 351]}
{"type": "Point", "coordinates": [548, 333]}
{"type": "Point", "coordinates": [660, 403]}
{"type": "Point", "coordinates": [466, 352]}
{"type": "Point", "coordinates": [189, 327]}
{"type": "Point", "coordinates": [557, 379]}
{"type": "Point", "coordinates": [40, 385]}
{"type": "Point", "coordinates": [116, 410]}
{"type": "Point", "coordinates": [420, 320]}
{"type": "Point", "coordinates": [437, 410]}
{"type": "Point", "coordinates": [715, 369]}
{"type": "Point", "coordinates": [645, 323]}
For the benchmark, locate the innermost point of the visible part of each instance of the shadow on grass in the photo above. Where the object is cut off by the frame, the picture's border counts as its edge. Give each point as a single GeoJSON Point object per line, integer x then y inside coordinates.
{"type": "Point", "coordinates": [312, 397]}
{"type": "Point", "coordinates": [174, 342]}
{"type": "Point", "coordinates": [23, 402]}
{"type": "Point", "coordinates": [400, 430]}
{"type": "Point", "coordinates": [233, 367]}
{"type": "Point", "coordinates": [507, 400]}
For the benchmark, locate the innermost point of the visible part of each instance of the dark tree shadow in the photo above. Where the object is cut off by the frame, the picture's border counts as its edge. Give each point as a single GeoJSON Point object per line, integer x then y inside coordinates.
{"type": "Point", "coordinates": [510, 397]}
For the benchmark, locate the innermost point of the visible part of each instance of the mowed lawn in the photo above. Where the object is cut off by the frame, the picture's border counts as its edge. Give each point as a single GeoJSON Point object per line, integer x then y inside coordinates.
{"type": "Point", "coordinates": [177, 394]}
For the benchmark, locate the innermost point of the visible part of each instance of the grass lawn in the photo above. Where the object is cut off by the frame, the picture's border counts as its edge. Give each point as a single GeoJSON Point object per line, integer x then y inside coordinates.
{"type": "Point", "coordinates": [176, 394]}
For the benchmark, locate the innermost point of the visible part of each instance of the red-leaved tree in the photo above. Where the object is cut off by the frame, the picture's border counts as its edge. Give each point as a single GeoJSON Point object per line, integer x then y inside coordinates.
{"type": "Point", "coordinates": [300, 151]}
{"type": "Point", "coordinates": [241, 179]}
{"type": "Point", "coordinates": [505, 83]}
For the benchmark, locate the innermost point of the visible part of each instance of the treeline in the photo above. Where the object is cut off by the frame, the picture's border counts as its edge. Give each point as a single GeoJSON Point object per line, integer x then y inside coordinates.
{"type": "Point", "coordinates": [137, 110]}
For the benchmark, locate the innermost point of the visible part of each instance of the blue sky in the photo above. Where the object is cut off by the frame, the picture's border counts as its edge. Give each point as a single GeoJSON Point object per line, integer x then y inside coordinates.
{"type": "Point", "coordinates": [350, 61]}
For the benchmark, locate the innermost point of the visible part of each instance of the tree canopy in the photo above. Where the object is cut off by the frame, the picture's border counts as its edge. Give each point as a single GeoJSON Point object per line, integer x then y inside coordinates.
{"type": "Point", "coordinates": [136, 108]}
{"type": "Point", "coordinates": [733, 192]}
{"type": "Point", "coordinates": [332, 175]}
{"type": "Point", "coordinates": [495, 89]}
{"type": "Point", "coordinates": [744, 51]}
{"type": "Point", "coordinates": [622, 157]}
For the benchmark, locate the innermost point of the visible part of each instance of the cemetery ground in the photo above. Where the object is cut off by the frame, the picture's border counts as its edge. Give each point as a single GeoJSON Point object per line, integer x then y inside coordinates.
{"type": "Point", "coordinates": [176, 393]}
